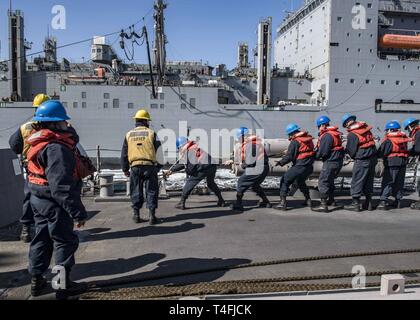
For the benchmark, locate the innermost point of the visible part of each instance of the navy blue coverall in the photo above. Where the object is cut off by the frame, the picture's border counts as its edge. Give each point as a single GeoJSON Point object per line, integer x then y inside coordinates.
{"type": "Point", "coordinates": [300, 171]}
{"type": "Point", "coordinates": [256, 170]}
{"type": "Point", "coordinates": [332, 165]}
{"type": "Point", "coordinates": [56, 208]}
{"type": "Point", "coordinates": [143, 176]}
{"type": "Point", "coordinates": [16, 145]}
{"type": "Point", "coordinates": [365, 161]}
{"type": "Point", "coordinates": [394, 174]}
{"type": "Point", "coordinates": [196, 172]}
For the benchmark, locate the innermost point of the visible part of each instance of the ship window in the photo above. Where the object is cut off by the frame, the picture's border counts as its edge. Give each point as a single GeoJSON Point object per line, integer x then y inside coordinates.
{"type": "Point", "coordinates": [383, 82]}
{"type": "Point", "coordinates": [84, 105]}
{"type": "Point", "coordinates": [337, 80]}
{"type": "Point", "coordinates": [371, 50]}
{"type": "Point", "coordinates": [183, 106]}
{"type": "Point", "coordinates": [398, 82]}
{"type": "Point", "coordinates": [192, 102]}
{"type": "Point", "coordinates": [404, 67]}
{"type": "Point", "coordinates": [106, 95]}
{"type": "Point", "coordinates": [162, 106]}
{"type": "Point", "coordinates": [358, 65]}
{"type": "Point", "coordinates": [83, 95]}
{"type": "Point", "coordinates": [162, 96]}
{"type": "Point", "coordinates": [130, 105]}
{"type": "Point", "coordinates": [360, 35]}
{"type": "Point", "coordinates": [412, 83]}
{"type": "Point", "coordinates": [369, 5]}
{"type": "Point", "coordinates": [75, 105]}
{"type": "Point", "coordinates": [105, 105]}
{"type": "Point", "coordinates": [348, 34]}
{"type": "Point", "coordinates": [389, 66]}
{"type": "Point", "coordinates": [367, 81]}
{"type": "Point", "coordinates": [358, 50]}
{"type": "Point", "coordinates": [154, 106]}
{"type": "Point", "coordinates": [116, 103]}
{"type": "Point", "coordinates": [339, 19]}
{"type": "Point", "coordinates": [351, 80]}
{"type": "Point", "coordinates": [348, 49]}
{"type": "Point", "coordinates": [369, 20]}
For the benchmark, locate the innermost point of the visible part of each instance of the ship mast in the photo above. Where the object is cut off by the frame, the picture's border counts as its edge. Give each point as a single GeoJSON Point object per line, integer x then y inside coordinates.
{"type": "Point", "coordinates": [160, 41]}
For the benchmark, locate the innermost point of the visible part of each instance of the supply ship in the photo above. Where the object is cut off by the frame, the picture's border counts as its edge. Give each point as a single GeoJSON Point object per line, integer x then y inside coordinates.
{"type": "Point", "coordinates": [328, 57]}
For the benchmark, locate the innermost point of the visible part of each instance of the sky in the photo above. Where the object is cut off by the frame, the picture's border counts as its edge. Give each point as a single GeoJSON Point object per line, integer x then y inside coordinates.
{"type": "Point", "coordinates": [207, 30]}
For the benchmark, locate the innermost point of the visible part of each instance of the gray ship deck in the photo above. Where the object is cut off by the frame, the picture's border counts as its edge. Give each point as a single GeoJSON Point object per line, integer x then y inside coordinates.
{"type": "Point", "coordinates": [113, 247]}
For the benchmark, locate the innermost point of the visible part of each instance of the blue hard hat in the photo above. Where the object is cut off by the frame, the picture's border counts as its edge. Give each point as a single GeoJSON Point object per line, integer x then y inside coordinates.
{"type": "Point", "coordinates": [180, 142]}
{"type": "Point", "coordinates": [393, 125]}
{"type": "Point", "coordinates": [347, 117]}
{"type": "Point", "coordinates": [409, 122]}
{"type": "Point", "coordinates": [51, 111]}
{"type": "Point", "coordinates": [241, 132]}
{"type": "Point", "coordinates": [322, 120]}
{"type": "Point", "coordinates": [292, 128]}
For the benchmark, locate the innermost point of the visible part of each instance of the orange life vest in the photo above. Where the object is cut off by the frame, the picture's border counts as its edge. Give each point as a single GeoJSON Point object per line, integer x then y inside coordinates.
{"type": "Point", "coordinates": [193, 148]}
{"type": "Point", "coordinates": [335, 134]}
{"type": "Point", "coordinates": [399, 142]}
{"type": "Point", "coordinates": [364, 134]}
{"type": "Point", "coordinates": [39, 141]}
{"type": "Point", "coordinates": [253, 141]}
{"type": "Point", "coordinates": [306, 145]}
{"type": "Point", "coordinates": [414, 132]}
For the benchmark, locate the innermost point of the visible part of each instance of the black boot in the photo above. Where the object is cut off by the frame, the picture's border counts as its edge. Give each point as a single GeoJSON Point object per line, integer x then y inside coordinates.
{"type": "Point", "coordinates": [72, 289]}
{"type": "Point", "coordinates": [331, 201]}
{"type": "Point", "coordinates": [355, 206]}
{"type": "Point", "coordinates": [264, 203]}
{"type": "Point", "coordinates": [383, 205]}
{"type": "Point", "coordinates": [136, 216]}
{"type": "Point", "coordinates": [238, 206]}
{"type": "Point", "coordinates": [323, 207]}
{"type": "Point", "coordinates": [152, 215]}
{"type": "Point", "coordinates": [308, 201]}
{"type": "Point", "coordinates": [368, 205]}
{"type": "Point", "coordinates": [181, 204]}
{"type": "Point", "coordinates": [282, 206]}
{"type": "Point", "coordinates": [25, 235]}
{"type": "Point", "coordinates": [415, 205]}
{"type": "Point", "coordinates": [38, 285]}
{"type": "Point", "coordinates": [221, 202]}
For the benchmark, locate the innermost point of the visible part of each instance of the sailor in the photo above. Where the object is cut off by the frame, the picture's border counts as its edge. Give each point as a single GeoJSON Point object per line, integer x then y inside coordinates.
{"type": "Point", "coordinates": [394, 151]}
{"type": "Point", "coordinates": [199, 166]}
{"type": "Point", "coordinates": [254, 161]}
{"type": "Point", "coordinates": [301, 153]}
{"type": "Point", "coordinates": [140, 156]}
{"type": "Point", "coordinates": [330, 151]}
{"type": "Point", "coordinates": [412, 126]}
{"type": "Point", "coordinates": [361, 147]}
{"type": "Point", "coordinates": [54, 172]}
{"type": "Point", "coordinates": [19, 146]}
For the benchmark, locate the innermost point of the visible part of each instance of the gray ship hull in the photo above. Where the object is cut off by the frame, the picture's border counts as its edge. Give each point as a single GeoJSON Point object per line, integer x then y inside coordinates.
{"type": "Point", "coordinates": [107, 129]}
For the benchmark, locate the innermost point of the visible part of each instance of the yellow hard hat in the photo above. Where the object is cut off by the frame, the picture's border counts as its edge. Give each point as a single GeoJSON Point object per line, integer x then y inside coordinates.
{"type": "Point", "coordinates": [40, 99]}
{"type": "Point", "coordinates": [142, 115]}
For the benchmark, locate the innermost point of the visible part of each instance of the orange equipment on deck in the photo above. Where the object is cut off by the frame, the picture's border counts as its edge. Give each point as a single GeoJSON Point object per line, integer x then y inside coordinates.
{"type": "Point", "coordinates": [397, 41]}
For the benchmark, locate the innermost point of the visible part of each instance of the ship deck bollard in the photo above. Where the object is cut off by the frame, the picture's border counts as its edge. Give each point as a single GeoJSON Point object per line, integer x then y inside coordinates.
{"type": "Point", "coordinates": [106, 185]}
